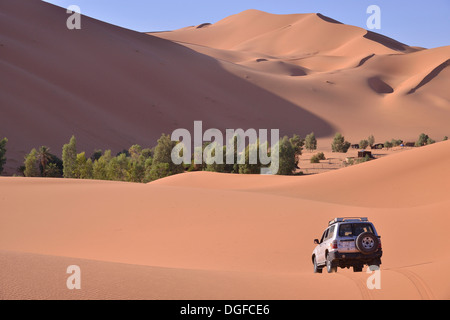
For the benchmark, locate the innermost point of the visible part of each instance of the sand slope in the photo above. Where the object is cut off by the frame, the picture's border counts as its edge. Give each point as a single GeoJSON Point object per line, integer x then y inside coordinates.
{"type": "Point", "coordinates": [292, 34]}
{"type": "Point", "coordinates": [249, 236]}
{"type": "Point", "coordinates": [113, 87]}
{"type": "Point", "coordinates": [388, 182]}
{"type": "Point", "coordinates": [334, 70]}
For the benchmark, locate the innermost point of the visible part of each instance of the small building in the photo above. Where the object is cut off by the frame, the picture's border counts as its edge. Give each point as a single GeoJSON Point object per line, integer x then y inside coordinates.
{"type": "Point", "coordinates": [377, 146]}
{"type": "Point", "coordinates": [364, 153]}
{"type": "Point", "coordinates": [410, 144]}
{"type": "Point", "coordinates": [355, 146]}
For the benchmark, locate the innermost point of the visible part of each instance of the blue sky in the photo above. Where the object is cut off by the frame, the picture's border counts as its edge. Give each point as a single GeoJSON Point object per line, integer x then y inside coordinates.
{"type": "Point", "coordinates": [414, 22]}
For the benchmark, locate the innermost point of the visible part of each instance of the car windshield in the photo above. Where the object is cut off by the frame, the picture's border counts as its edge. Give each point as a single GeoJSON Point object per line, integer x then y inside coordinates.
{"type": "Point", "coordinates": [354, 229]}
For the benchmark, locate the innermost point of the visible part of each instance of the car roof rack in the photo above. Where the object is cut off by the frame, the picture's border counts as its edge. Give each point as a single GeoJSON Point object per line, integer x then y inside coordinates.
{"type": "Point", "coordinates": [348, 219]}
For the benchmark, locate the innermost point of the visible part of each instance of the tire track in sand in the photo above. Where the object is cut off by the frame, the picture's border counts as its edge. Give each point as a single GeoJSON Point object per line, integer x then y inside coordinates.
{"type": "Point", "coordinates": [422, 288]}
{"type": "Point", "coordinates": [361, 284]}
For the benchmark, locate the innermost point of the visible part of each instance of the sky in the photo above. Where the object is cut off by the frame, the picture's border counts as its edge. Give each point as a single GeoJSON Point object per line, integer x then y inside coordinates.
{"type": "Point", "coordinates": [413, 22]}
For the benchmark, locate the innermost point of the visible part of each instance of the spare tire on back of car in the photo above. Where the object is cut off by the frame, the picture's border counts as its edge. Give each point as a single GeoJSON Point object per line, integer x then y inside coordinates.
{"type": "Point", "coordinates": [367, 243]}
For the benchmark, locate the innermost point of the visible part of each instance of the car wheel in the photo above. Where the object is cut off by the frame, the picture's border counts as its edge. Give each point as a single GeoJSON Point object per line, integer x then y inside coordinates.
{"type": "Point", "coordinates": [357, 268]}
{"type": "Point", "coordinates": [317, 269]}
{"type": "Point", "coordinates": [330, 267]}
{"type": "Point", "coordinates": [367, 243]}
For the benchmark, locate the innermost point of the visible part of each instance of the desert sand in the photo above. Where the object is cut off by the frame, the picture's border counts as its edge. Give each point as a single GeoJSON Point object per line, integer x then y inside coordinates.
{"type": "Point", "coordinates": [214, 236]}
{"type": "Point", "coordinates": [299, 73]}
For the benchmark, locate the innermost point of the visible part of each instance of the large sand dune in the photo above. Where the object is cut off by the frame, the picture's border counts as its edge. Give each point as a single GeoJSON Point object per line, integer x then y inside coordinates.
{"type": "Point", "coordinates": [333, 70]}
{"type": "Point", "coordinates": [113, 87]}
{"type": "Point", "coordinates": [205, 235]}
{"type": "Point", "coordinates": [202, 235]}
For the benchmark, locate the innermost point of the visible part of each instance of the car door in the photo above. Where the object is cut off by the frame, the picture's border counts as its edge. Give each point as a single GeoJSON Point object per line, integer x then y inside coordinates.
{"type": "Point", "coordinates": [322, 248]}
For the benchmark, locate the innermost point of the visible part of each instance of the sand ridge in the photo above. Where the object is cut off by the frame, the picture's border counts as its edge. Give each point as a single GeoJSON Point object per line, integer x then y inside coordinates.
{"type": "Point", "coordinates": [247, 225]}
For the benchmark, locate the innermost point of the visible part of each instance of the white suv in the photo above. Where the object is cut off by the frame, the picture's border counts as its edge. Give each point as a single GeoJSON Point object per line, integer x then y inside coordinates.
{"type": "Point", "coordinates": [347, 242]}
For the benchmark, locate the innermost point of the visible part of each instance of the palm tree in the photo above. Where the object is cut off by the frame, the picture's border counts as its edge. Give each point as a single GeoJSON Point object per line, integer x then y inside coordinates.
{"type": "Point", "coordinates": [43, 157]}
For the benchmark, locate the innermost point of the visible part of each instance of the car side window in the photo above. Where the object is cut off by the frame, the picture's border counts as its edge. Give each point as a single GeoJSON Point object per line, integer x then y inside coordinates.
{"type": "Point", "coordinates": [324, 236]}
{"type": "Point", "coordinates": [331, 232]}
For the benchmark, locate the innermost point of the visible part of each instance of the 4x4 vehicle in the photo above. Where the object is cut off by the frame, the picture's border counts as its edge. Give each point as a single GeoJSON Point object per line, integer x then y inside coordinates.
{"type": "Point", "coordinates": [347, 242]}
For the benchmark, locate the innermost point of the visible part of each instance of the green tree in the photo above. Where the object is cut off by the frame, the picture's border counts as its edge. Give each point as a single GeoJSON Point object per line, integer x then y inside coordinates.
{"type": "Point", "coordinates": [445, 138]}
{"type": "Point", "coordinates": [364, 144]}
{"type": "Point", "coordinates": [339, 144]}
{"type": "Point", "coordinates": [89, 170]}
{"type": "Point", "coordinates": [365, 159]}
{"type": "Point", "coordinates": [96, 155]}
{"type": "Point", "coordinates": [3, 143]}
{"type": "Point", "coordinates": [147, 168]}
{"type": "Point", "coordinates": [54, 167]}
{"type": "Point", "coordinates": [371, 140]}
{"type": "Point", "coordinates": [84, 168]}
{"type": "Point", "coordinates": [216, 167]}
{"type": "Point", "coordinates": [53, 171]}
{"type": "Point", "coordinates": [31, 164]}
{"type": "Point", "coordinates": [396, 142]}
{"type": "Point", "coordinates": [117, 169]}
{"type": "Point", "coordinates": [136, 167]}
{"type": "Point", "coordinates": [147, 153]}
{"type": "Point", "coordinates": [69, 157]}
{"type": "Point", "coordinates": [424, 140]}
{"type": "Point", "coordinates": [287, 158]}
{"type": "Point", "coordinates": [163, 154]}
{"type": "Point", "coordinates": [298, 143]}
{"type": "Point", "coordinates": [388, 145]}
{"type": "Point", "coordinates": [232, 167]}
{"type": "Point", "coordinates": [158, 171]}
{"type": "Point", "coordinates": [317, 157]}
{"type": "Point", "coordinates": [44, 157]}
{"type": "Point", "coordinates": [135, 152]}
{"type": "Point", "coordinates": [124, 151]}
{"type": "Point", "coordinates": [100, 166]}
{"type": "Point", "coordinates": [247, 167]}
{"type": "Point", "coordinates": [311, 142]}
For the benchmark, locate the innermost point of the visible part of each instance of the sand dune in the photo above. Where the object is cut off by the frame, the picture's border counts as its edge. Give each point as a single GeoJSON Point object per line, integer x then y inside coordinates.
{"type": "Point", "coordinates": [347, 68]}
{"type": "Point", "coordinates": [113, 87]}
{"type": "Point", "coordinates": [283, 35]}
{"type": "Point", "coordinates": [213, 236]}
{"type": "Point", "coordinates": [386, 178]}
{"type": "Point", "coordinates": [175, 237]}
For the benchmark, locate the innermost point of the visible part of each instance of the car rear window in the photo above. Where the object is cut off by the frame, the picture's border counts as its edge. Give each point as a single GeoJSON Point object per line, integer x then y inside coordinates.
{"type": "Point", "coordinates": [354, 229]}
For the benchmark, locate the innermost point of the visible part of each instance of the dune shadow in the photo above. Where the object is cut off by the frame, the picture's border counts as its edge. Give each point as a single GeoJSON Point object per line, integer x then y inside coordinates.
{"type": "Point", "coordinates": [379, 86]}
{"type": "Point", "coordinates": [433, 74]}
{"type": "Point", "coordinates": [387, 42]}
{"type": "Point", "coordinates": [328, 19]}
{"type": "Point", "coordinates": [203, 25]}
{"type": "Point", "coordinates": [248, 105]}
{"type": "Point", "coordinates": [363, 61]}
